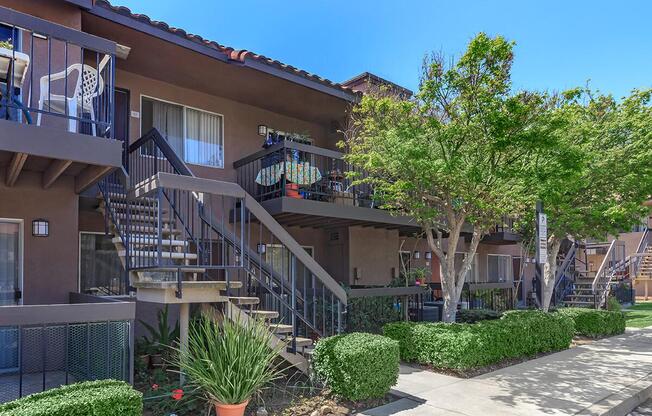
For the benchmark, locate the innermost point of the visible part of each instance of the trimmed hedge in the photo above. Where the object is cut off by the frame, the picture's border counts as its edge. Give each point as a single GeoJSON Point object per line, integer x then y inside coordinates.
{"type": "Point", "coordinates": [595, 323]}
{"type": "Point", "coordinates": [464, 346]}
{"type": "Point", "coordinates": [90, 398]}
{"type": "Point", "coordinates": [357, 366]}
{"type": "Point", "coordinates": [471, 316]}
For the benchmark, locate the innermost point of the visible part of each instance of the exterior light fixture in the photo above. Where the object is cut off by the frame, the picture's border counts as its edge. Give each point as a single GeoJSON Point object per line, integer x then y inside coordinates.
{"type": "Point", "coordinates": [262, 130]}
{"type": "Point", "coordinates": [261, 248]}
{"type": "Point", "coordinates": [40, 228]}
{"type": "Point", "coordinates": [417, 255]}
{"type": "Point", "coordinates": [428, 255]}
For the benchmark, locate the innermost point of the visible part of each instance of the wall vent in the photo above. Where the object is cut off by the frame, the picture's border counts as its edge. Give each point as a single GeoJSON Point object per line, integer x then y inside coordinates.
{"type": "Point", "coordinates": [334, 236]}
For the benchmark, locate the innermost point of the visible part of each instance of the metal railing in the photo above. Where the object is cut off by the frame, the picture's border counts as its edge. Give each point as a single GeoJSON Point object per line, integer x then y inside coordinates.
{"type": "Point", "coordinates": [613, 267]}
{"type": "Point", "coordinates": [45, 346]}
{"type": "Point", "coordinates": [54, 76]}
{"type": "Point", "coordinates": [371, 308]}
{"type": "Point", "coordinates": [176, 222]}
{"type": "Point", "coordinates": [494, 296]}
{"type": "Point", "coordinates": [297, 170]}
{"type": "Point", "coordinates": [565, 276]}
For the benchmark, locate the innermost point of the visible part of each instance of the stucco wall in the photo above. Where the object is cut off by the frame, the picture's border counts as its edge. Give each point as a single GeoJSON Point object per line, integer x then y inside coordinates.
{"type": "Point", "coordinates": [374, 252]}
{"type": "Point", "coordinates": [50, 263]}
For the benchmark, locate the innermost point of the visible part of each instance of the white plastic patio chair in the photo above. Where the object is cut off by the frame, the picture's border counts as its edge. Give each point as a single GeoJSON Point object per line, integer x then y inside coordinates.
{"type": "Point", "coordinates": [86, 89]}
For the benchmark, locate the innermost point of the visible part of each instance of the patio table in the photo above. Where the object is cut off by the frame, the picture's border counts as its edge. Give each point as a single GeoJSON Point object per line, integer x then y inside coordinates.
{"type": "Point", "coordinates": [301, 173]}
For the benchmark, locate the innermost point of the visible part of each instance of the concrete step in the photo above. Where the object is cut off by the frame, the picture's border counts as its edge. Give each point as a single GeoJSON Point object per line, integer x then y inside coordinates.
{"type": "Point", "coordinates": [264, 314]}
{"type": "Point", "coordinates": [146, 218]}
{"type": "Point", "coordinates": [300, 342]}
{"type": "Point", "coordinates": [114, 196]}
{"type": "Point", "coordinates": [244, 300]}
{"type": "Point", "coordinates": [184, 269]}
{"type": "Point", "coordinates": [120, 207]}
{"type": "Point", "coordinates": [281, 328]}
{"type": "Point", "coordinates": [165, 254]}
{"type": "Point", "coordinates": [140, 240]}
{"type": "Point", "coordinates": [149, 229]}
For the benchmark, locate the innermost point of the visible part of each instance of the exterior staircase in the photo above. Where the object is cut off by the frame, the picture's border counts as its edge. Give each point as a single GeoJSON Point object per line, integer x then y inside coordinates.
{"type": "Point", "coordinates": [187, 240]}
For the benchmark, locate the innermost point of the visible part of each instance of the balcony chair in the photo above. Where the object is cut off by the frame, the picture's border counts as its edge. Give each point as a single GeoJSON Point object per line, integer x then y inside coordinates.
{"type": "Point", "coordinates": [89, 85]}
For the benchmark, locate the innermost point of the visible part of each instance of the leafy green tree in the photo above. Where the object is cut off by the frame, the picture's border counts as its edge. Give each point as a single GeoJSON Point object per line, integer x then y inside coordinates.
{"type": "Point", "coordinates": [594, 181]}
{"type": "Point", "coordinates": [452, 157]}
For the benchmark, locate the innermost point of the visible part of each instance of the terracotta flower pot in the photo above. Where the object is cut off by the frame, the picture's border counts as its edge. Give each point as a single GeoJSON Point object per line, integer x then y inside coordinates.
{"type": "Point", "coordinates": [292, 190]}
{"type": "Point", "coordinates": [231, 409]}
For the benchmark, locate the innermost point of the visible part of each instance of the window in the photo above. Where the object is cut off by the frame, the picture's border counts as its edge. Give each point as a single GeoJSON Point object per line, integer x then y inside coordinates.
{"type": "Point", "coordinates": [196, 136]}
{"type": "Point", "coordinates": [499, 268]}
{"type": "Point", "coordinates": [281, 260]}
{"type": "Point", "coordinates": [11, 262]}
{"type": "Point", "coordinates": [471, 275]}
{"type": "Point", "coordinates": [100, 269]}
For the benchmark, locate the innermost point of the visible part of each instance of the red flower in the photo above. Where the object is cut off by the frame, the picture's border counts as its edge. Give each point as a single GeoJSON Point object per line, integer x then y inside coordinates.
{"type": "Point", "coordinates": [154, 386]}
{"type": "Point", "coordinates": [177, 394]}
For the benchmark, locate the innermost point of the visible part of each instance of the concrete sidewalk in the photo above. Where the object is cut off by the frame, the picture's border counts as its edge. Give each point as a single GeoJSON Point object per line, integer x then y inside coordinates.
{"type": "Point", "coordinates": [608, 377]}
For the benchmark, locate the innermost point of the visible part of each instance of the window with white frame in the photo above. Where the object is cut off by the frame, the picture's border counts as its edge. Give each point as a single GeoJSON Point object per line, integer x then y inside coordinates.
{"type": "Point", "coordinates": [499, 268]}
{"type": "Point", "coordinates": [196, 135]}
{"type": "Point", "coordinates": [471, 275]}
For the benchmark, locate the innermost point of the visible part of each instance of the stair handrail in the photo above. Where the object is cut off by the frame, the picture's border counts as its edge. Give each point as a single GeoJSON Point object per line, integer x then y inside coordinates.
{"type": "Point", "coordinates": [561, 276]}
{"type": "Point", "coordinates": [606, 272]}
{"type": "Point", "coordinates": [642, 247]}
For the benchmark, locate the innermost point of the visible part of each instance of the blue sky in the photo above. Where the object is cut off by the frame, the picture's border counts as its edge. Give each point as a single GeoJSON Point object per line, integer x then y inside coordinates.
{"type": "Point", "coordinates": [560, 44]}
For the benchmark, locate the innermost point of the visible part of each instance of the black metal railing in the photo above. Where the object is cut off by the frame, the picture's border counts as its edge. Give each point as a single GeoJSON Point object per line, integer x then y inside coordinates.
{"type": "Point", "coordinates": [176, 222]}
{"type": "Point", "coordinates": [371, 308]}
{"type": "Point", "coordinates": [494, 296]}
{"type": "Point", "coordinates": [565, 276]}
{"type": "Point", "coordinates": [55, 76]}
{"type": "Point", "coordinates": [46, 346]}
{"type": "Point", "coordinates": [297, 170]}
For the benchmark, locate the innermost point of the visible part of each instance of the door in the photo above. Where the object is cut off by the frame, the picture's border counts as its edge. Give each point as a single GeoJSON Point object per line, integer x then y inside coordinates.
{"type": "Point", "coordinates": [10, 289]}
{"type": "Point", "coordinates": [10, 263]}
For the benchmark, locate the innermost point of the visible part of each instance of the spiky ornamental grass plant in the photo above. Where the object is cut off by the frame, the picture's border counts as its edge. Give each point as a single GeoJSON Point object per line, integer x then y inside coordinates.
{"type": "Point", "coordinates": [230, 361]}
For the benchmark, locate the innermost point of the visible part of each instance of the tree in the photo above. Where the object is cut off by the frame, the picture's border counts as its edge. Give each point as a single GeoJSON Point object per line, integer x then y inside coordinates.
{"type": "Point", "coordinates": [594, 181]}
{"type": "Point", "coordinates": [452, 157]}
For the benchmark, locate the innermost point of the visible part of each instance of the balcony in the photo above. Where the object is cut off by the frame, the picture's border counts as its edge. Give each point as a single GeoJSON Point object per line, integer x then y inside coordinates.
{"type": "Point", "coordinates": [56, 101]}
{"type": "Point", "coordinates": [307, 186]}
{"type": "Point", "coordinates": [46, 346]}
{"type": "Point", "coordinates": [504, 233]}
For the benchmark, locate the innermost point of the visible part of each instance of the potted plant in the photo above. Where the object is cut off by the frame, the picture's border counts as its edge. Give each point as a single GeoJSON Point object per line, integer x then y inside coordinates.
{"type": "Point", "coordinates": [229, 361]}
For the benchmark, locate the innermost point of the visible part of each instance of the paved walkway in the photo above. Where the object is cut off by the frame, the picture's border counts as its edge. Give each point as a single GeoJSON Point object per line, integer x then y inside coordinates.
{"type": "Point", "coordinates": [644, 409]}
{"type": "Point", "coordinates": [611, 376]}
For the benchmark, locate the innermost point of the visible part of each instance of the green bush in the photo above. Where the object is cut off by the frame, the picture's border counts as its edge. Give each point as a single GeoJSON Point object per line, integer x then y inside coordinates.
{"type": "Point", "coordinates": [357, 366]}
{"type": "Point", "coordinates": [595, 323]}
{"type": "Point", "coordinates": [463, 346]}
{"type": "Point", "coordinates": [90, 398]}
{"type": "Point", "coordinates": [471, 316]}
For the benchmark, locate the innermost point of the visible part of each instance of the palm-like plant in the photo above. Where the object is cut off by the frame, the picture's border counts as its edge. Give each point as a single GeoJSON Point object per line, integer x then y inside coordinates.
{"type": "Point", "coordinates": [162, 336]}
{"type": "Point", "coordinates": [231, 361]}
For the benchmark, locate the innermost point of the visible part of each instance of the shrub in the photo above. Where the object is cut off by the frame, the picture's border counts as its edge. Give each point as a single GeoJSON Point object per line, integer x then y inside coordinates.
{"type": "Point", "coordinates": [463, 346]}
{"type": "Point", "coordinates": [357, 366]}
{"type": "Point", "coordinates": [471, 316]}
{"type": "Point", "coordinates": [595, 323]}
{"type": "Point", "coordinates": [104, 397]}
{"type": "Point", "coordinates": [613, 304]}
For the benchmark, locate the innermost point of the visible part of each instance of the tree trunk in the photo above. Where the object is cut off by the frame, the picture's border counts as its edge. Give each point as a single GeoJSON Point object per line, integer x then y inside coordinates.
{"type": "Point", "coordinates": [452, 283]}
{"type": "Point", "coordinates": [550, 272]}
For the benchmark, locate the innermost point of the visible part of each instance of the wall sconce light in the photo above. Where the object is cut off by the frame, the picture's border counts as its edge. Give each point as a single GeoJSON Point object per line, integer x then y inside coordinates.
{"type": "Point", "coordinates": [417, 255]}
{"type": "Point", "coordinates": [40, 228]}
{"type": "Point", "coordinates": [261, 248]}
{"type": "Point", "coordinates": [428, 255]}
{"type": "Point", "coordinates": [262, 130]}
{"type": "Point", "coordinates": [394, 274]}
{"type": "Point", "coordinates": [357, 274]}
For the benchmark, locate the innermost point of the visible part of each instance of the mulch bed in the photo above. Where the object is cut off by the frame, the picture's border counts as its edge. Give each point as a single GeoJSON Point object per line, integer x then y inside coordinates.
{"type": "Point", "coordinates": [326, 404]}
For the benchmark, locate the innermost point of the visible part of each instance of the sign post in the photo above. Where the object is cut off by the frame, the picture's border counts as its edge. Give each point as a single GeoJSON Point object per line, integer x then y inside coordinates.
{"type": "Point", "coordinates": [541, 249]}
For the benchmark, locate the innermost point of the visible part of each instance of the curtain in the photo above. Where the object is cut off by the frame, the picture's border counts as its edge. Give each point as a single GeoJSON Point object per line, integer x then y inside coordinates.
{"type": "Point", "coordinates": [204, 143]}
{"type": "Point", "coordinates": [168, 120]}
{"type": "Point", "coordinates": [499, 268]}
{"type": "Point", "coordinates": [9, 263]}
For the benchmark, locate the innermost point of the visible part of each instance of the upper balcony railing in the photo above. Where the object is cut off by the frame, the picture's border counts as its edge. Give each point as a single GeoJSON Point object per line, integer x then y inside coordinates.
{"type": "Point", "coordinates": [297, 170]}
{"type": "Point", "coordinates": [55, 76]}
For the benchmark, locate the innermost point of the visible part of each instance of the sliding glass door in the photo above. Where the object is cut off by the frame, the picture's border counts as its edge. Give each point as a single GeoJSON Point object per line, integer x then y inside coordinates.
{"type": "Point", "coordinates": [10, 263]}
